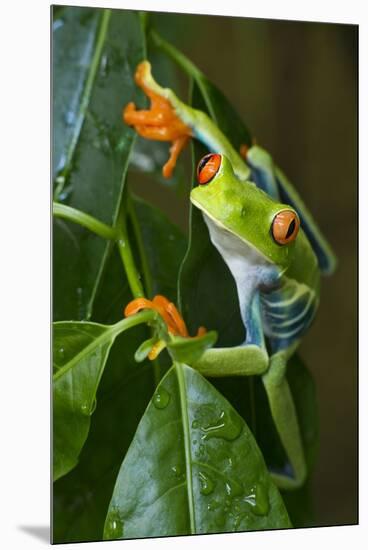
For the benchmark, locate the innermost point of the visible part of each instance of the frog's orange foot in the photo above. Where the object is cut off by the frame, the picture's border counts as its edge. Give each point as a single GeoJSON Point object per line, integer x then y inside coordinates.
{"type": "Point", "coordinates": [160, 122]}
{"type": "Point", "coordinates": [170, 314]}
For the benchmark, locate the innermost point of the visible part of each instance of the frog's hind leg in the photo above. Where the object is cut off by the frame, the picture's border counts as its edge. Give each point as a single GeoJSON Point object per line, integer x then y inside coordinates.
{"type": "Point", "coordinates": [285, 418]}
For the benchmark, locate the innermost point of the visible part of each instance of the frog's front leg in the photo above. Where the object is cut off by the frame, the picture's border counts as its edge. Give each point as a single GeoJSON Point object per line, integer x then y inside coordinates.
{"type": "Point", "coordinates": [160, 122]}
{"type": "Point", "coordinates": [251, 358]}
{"type": "Point", "coordinates": [285, 419]}
{"type": "Point", "coordinates": [169, 119]}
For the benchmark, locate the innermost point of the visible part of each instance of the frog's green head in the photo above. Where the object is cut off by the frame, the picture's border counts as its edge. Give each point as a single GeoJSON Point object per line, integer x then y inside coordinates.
{"type": "Point", "coordinates": [245, 211]}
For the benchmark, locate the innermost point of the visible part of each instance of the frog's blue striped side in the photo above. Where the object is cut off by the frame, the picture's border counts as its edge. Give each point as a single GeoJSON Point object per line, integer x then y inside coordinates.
{"type": "Point", "coordinates": [287, 313]}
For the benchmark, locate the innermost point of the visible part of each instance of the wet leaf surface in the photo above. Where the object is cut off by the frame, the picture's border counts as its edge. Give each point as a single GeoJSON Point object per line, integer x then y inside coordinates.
{"type": "Point", "coordinates": [193, 467]}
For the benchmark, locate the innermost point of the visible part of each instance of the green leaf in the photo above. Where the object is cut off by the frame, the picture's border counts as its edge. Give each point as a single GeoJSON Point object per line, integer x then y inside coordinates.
{"type": "Point", "coordinates": [80, 353]}
{"type": "Point", "coordinates": [164, 248]}
{"type": "Point", "coordinates": [94, 54]}
{"type": "Point", "coordinates": [193, 467]}
{"type": "Point", "coordinates": [189, 350]}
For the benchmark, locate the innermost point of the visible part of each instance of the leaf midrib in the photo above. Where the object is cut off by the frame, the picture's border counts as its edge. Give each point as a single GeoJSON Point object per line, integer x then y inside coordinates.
{"type": "Point", "coordinates": [110, 332]}
{"type": "Point", "coordinates": [85, 99]}
{"type": "Point", "coordinates": [187, 442]}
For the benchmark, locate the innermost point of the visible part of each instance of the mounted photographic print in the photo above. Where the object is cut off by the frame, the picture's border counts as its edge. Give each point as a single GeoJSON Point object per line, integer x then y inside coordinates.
{"type": "Point", "coordinates": [204, 274]}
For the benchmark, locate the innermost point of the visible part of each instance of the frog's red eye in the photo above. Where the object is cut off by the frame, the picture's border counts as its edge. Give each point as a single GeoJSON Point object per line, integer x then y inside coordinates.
{"type": "Point", "coordinates": [285, 226]}
{"type": "Point", "coordinates": [208, 168]}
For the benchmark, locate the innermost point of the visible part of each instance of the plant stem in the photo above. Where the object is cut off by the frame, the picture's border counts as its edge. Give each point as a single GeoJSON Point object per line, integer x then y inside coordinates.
{"type": "Point", "coordinates": [125, 250]}
{"type": "Point", "coordinates": [77, 216]}
{"type": "Point", "coordinates": [146, 316]}
{"type": "Point", "coordinates": [188, 67]}
{"type": "Point", "coordinates": [138, 237]}
{"type": "Point", "coordinates": [176, 55]}
{"type": "Point", "coordinates": [145, 269]}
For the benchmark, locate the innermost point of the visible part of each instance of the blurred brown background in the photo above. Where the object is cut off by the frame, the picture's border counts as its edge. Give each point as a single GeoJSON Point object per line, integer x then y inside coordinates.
{"type": "Point", "coordinates": [295, 86]}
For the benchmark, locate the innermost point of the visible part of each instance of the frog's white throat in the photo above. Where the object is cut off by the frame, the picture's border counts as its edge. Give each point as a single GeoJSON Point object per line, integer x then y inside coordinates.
{"type": "Point", "coordinates": [248, 266]}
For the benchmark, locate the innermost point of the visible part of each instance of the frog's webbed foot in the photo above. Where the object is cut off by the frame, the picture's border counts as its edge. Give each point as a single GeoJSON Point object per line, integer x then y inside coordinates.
{"type": "Point", "coordinates": [160, 122]}
{"type": "Point", "coordinates": [169, 313]}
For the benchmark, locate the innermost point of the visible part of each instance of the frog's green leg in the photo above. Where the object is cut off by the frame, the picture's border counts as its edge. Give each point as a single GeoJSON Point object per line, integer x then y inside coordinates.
{"type": "Point", "coordinates": [244, 360]}
{"type": "Point", "coordinates": [248, 359]}
{"type": "Point", "coordinates": [266, 175]}
{"type": "Point", "coordinates": [177, 120]}
{"type": "Point", "coordinates": [262, 170]}
{"type": "Point", "coordinates": [285, 419]}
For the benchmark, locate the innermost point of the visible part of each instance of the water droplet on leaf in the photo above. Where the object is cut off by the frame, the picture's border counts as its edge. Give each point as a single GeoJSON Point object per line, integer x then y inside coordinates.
{"type": "Point", "coordinates": [207, 484]}
{"type": "Point", "coordinates": [114, 528]}
{"type": "Point", "coordinates": [104, 66]}
{"type": "Point", "coordinates": [69, 118]}
{"type": "Point", "coordinates": [177, 471]}
{"type": "Point", "coordinates": [258, 499]}
{"type": "Point", "coordinates": [161, 398]}
{"type": "Point", "coordinates": [87, 409]}
{"type": "Point", "coordinates": [213, 505]}
{"type": "Point", "coordinates": [228, 426]}
{"type": "Point", "coordinates": [233, 488]}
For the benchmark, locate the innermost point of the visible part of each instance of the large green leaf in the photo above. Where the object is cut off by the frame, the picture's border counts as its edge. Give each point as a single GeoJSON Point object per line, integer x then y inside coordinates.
{"type": "Point", "coordinates": [193, 467]}
{"type": "Point", "coordinates": [81, 498]}
{"type": "Point", "coordinates": [94, 55]}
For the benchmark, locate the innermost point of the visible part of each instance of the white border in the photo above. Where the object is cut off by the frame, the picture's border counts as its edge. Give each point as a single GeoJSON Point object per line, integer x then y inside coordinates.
{"type": "Point", "coordinates": [25, 268]}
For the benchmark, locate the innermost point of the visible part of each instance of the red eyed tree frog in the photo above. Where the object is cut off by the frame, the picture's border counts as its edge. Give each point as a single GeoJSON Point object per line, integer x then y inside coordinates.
{"type": "Point", "coordinates": [270, 243]}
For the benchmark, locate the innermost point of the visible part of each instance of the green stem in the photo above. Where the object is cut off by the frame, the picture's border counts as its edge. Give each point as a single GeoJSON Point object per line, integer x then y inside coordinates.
{"type": "Point", "coordinates": [125, 250]}
{"type": "Point", "coordinates": [83, 219]}
{"type": "Point", "coordinates": [176, 55]}
{"type": "Point", "coordinates": [147, 279]}
{"type": "Point", "coordinates": [146, 316]}
{"type": "Point", "coordinates": [139, 240]}
{"type": "Point", "coordinates": [187, 66]}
